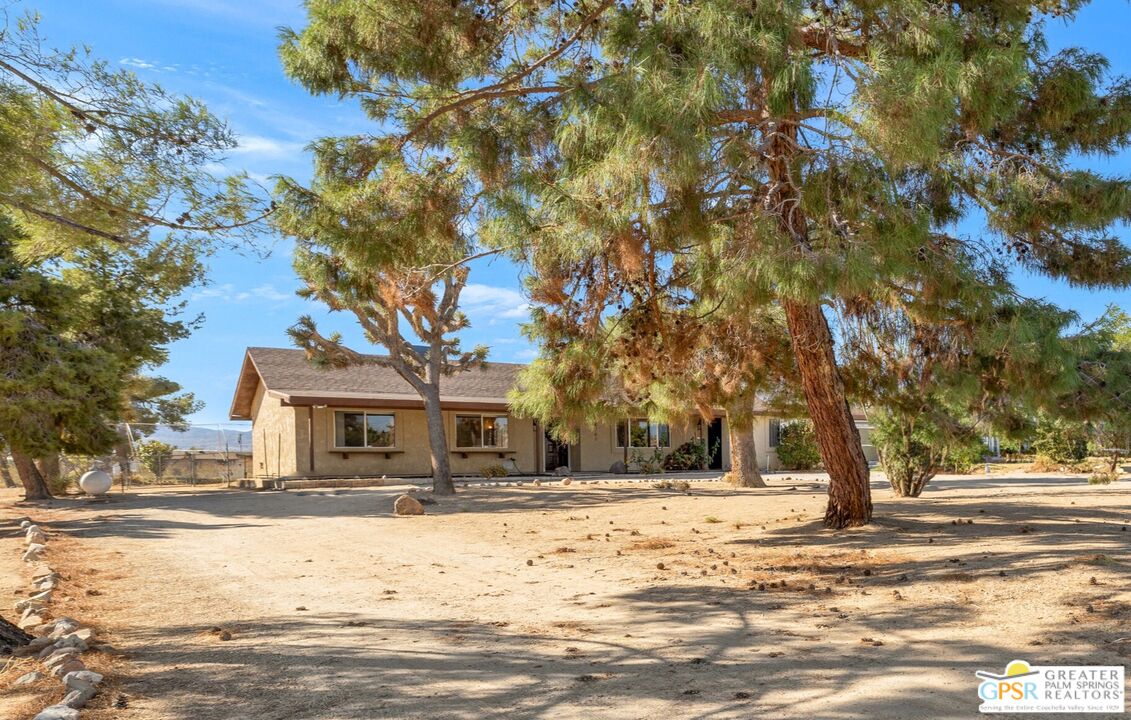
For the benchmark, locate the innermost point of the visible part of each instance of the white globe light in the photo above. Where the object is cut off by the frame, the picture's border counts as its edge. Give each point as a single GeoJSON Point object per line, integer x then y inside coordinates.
{"type": "Point", "coordinates": [95, 482]}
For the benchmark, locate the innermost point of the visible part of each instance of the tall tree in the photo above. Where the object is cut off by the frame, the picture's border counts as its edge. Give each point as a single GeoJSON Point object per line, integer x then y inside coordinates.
{"type": "Point", "coordinates": [96, 155]}
{"type": "Point", "coordinates": [381, 239]}
{"type": "Point", "coordinates": [106, 199]}
{"type": "Point", "coordinates": [819, 148]}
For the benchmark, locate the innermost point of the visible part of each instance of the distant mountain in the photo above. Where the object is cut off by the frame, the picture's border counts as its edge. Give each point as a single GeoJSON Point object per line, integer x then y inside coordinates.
{"type": "Point", "coordinates": [198, 437]}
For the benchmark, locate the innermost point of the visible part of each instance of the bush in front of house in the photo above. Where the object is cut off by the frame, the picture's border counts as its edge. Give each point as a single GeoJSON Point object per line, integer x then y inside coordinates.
{"type": "Point", "coordinates": [692, 455]}
{"type": "Point", "coordinates": [648, 464]}
{"type": "Point", "coordinates": [797, 446]}
{"type": "Point", "coordinates": [491, 472]}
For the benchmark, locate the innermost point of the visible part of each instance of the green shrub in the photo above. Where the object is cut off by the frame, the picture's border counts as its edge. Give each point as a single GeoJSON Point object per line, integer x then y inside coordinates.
{"type": "Point", "coordinates": [961, 458]}
{"type": "Point", "coordinates": [797, 446]}
{"type": "Point", "coordinates": [692, 455]}
{"type": "Point", "coordinates": [493, 471]}
{"type": "Point", "coordinates": [1061, 441]}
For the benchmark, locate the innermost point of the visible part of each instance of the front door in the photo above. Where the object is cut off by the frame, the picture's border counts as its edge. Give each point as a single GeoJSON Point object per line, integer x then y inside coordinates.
{"type": "Point", "coordinates": [557, 454]}
{"type": "Point", "coordinates": [715, 444]}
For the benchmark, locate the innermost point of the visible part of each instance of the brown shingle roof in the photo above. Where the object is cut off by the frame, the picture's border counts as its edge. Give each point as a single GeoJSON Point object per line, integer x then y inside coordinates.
{"type": "Point", "coordinates": [287, 374]}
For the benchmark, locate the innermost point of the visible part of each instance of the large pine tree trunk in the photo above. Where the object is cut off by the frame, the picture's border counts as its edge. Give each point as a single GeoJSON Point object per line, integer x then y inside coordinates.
{"type": "Point", "coordinates": [6, 468]}
{"type": "Point", "coordinates": [35, 487]}
{"type": "Point", "coordinates": [438, 443]}
{"type": "Point", "coordinates": [49, 468]}
{"type": "Point", "coordinates": [850, 496]}
{"type": "Point", "coordinates": [743, 453]}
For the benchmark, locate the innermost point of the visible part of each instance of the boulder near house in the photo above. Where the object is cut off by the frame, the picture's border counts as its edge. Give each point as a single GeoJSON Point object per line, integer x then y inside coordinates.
{"type": "Point", "coordinates": [367, 421]}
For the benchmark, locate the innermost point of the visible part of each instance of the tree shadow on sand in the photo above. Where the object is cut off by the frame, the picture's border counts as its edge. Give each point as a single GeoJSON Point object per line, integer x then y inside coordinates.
{"type": "Point", "coordinates": [361, 666]}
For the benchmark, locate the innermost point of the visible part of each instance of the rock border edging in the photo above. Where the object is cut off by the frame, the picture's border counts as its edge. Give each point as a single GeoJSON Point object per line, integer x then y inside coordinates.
{"type": "Point", "coordinates": [58, 643]}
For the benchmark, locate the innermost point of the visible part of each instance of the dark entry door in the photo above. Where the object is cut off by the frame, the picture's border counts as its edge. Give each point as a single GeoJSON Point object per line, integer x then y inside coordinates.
{"type": "Point", "coordinates": [715, 444]}
{"type": "Point", "coordinates": [557, 454]}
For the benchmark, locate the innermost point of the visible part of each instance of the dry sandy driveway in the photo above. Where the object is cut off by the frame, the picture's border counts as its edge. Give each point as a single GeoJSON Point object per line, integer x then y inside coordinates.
{"type": "Point", "coordinates": [592, 601]}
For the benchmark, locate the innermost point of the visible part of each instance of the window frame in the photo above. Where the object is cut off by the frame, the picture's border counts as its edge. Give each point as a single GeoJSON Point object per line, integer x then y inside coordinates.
{"type": "Point", "coordinates": [482, 416]}
{"type": "Point", "coordinates": [773, 433]}
{"type": "Point", "coordinates": [365, 413]}
{"type": "Point", "coordinates": [653, 434]}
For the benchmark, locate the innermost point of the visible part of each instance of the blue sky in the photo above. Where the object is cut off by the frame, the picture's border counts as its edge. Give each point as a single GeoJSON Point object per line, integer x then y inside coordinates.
{"type": "Point", "coordinates": [224, 53]}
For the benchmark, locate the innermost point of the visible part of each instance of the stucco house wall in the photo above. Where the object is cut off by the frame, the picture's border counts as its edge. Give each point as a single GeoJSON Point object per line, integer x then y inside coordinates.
{"type": "Point", "coordinates": [273, 440]}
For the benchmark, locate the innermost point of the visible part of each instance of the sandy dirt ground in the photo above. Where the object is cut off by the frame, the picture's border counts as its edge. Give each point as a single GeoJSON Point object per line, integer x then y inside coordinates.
{"type": "Point", "coordinates": [587, 601]}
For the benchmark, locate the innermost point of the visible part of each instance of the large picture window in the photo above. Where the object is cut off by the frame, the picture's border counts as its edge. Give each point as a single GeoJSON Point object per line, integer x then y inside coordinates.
{"type": "Point", "coordinates": [364, 430]}
{"type": "Point", "coordinates": [640, 433]}
{"type": "Point", "coordinates": [485, 431]}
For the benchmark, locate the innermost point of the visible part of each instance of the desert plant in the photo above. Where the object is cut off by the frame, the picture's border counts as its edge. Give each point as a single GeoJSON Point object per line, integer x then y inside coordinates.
{"type": "Point", "coordinates": [692, 455]}
{"type": "Point", "coordinates": [154, 456]}
{"type": "Point", "coordinates": [1103, 477]}
{"type": "Point", "coordinates": [797, 446]}
{"type": "Point", "coordinates": [493, 471]}
{"type": "Point", "coordinates": [648, 465]}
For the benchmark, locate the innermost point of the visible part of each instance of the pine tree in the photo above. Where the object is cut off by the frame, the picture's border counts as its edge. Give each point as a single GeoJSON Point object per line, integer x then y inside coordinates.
{"type": "Point", "coordinates": [385, 245]}
{"type": "Point", "coordinates": [817, 150]}
{"type": "Point", "coordinates": [96, 155]}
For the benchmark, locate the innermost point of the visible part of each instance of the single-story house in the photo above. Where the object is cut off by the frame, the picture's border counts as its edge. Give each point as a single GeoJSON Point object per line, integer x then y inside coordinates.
{"type": "Point", "coordinates": [367, 421]}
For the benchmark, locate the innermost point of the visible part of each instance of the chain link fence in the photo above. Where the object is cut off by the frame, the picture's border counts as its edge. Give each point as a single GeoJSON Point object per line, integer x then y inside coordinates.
{"type": "Point", "coordinates": [158, 454]}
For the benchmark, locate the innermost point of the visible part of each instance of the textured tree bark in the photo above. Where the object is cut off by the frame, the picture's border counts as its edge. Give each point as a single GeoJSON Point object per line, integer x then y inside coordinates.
{"type": "Point", "coordinates": [35, 487]}
{"type": "Point", "coordinates": [743, 453]}
{"type": "Point", "coordinates": [49, 468]}
{"type": "Point", "coordinates": [438, 443]}
{"type": "Point", "coordinates": [850, 496]}
{"type": "Point", "coordinates": [6, 468]}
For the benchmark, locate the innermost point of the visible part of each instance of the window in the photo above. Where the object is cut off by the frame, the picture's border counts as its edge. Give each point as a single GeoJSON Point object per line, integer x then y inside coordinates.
{"type": "Point", "coordinates": [642, 433]}
{"type": "Point", "coordinates": [488, 431]}
{"type": "Point", "coordinates": [775, 432]}
{"type": "Point", "coordinates": [364, 430]}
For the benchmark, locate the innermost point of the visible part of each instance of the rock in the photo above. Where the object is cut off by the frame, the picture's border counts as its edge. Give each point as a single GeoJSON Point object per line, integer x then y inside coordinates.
{"type": "Point", "coordinates": [34, 534]}
{"type": "Point", "coordinates": [537, 483]}
{"type": "Point", "coordinates": [567, 481]}
{"type": "Point", "coordinates": [618, 468]}
{"type": "Point", "coordinates": [561, 471]}
{"type": "Point", "coordinates": [74, 640]}
{"type": "Point", "coordinates": [58, 712]}
{"type": "Point", "coordinates": [54, 655]}
{"type": "Point", "coordinates": [25, 524]}
{"type": "Point", "coordinates": [87, 676]}
{"type": "Point", "coordinates": [43, 597]}
{"type": "Point", "coordinates": [34, 551]}
{"type": "Point", "coordinates": [407, 505]}
{"type": "Point", "coordinates": [79, 697]}
{"type": "Point", "coordinates": [29, 678]}
{"type": "Point", "coordinates": [63, 625]}
{"type": "Point", "coordinates": [22, 605]}
{"type": "Point", "coordinates": [30, 619]}
{"type": "Point", "coordinates": [69, 665]}
{"type": "Point", "coordinates": [38, 643]}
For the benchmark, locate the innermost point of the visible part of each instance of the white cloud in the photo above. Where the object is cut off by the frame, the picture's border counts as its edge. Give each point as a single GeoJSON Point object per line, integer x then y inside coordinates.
{"type": "Point", "coordinates": [138, 63]}
{"type": "Point", "coordinates": [266, 147]}
{"type": "Point", "coordinates": [227, 292]}
{"type": "Point", "coordinates": [494, 303]}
